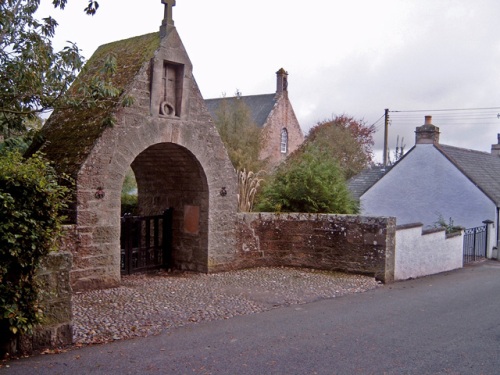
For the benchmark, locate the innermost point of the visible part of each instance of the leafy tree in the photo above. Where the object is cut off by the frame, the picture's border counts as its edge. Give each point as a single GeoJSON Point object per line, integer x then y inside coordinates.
{"type": "Point", "coordinates": [309, 181]}
{"type": "Point", "coordinates": [90, 9]}
{"type": "Point", "coordinates": [346, 140]}
{"type": "Point", "coordinates": [20, 140]}
{"type": "Point", "coordinates": [33, 77]}
{"type": "Point", "coordinates": [31, 200]}
{"type": "Point", "coordinates": [240, 134]}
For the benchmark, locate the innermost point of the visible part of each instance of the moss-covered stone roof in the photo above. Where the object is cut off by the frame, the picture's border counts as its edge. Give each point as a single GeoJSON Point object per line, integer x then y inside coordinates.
{"type": "Point", "coordinates": [70, 133]}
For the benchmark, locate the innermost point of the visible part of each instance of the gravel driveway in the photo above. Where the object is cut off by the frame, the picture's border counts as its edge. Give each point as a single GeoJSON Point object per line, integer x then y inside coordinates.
{"type": "Point", "coordinates": [147, 304]}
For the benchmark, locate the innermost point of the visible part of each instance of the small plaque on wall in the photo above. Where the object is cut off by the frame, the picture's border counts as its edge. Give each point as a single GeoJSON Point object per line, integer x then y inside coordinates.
{"type": "Point", "coordinates": [191, 219]}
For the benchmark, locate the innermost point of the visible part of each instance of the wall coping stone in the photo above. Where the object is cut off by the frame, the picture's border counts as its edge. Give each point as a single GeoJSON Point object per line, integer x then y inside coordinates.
{"type": "Point", "coordinates": [432, 230]}
{"type": "Point", "coordinates": [409, 226]}
{"type": "Point", "coordinates": [455, 233]}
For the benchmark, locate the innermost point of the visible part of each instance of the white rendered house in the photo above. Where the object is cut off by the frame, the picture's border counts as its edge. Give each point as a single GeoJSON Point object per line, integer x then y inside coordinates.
{"type": "Point", "coordinates": [434, 180]}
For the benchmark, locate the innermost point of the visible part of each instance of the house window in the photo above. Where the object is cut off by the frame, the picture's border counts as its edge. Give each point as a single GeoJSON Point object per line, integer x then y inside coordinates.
{"type": "Point", "coordinates": [284, 141]}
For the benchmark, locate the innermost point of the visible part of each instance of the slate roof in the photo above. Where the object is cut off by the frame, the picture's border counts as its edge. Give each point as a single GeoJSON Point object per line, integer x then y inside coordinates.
{"type": "Point", "coordinates": [482, 168]}
{"type": "Point", "coordinates": [260, 106]}
{"type": "Point", "coordinates": [364, 180]}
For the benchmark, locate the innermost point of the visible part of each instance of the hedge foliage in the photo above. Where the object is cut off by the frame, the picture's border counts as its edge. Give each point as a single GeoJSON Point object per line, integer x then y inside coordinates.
{"type": "Point", "coordinates": [31, 199]}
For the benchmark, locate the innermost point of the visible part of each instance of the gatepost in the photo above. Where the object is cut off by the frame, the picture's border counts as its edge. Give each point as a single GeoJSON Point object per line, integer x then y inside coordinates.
{"type": "Point", "coordinates": [490, 245]}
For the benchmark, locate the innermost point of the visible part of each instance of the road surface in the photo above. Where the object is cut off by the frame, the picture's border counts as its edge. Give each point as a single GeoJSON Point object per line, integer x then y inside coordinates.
{"type": "Point", "coordinates": [443, 324]}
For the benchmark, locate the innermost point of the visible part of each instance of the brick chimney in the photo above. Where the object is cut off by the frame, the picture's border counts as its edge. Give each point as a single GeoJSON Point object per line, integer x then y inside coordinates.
{"type": "Point", "coordinates": [495, 149]}
{"type": "Point", "coordinates": [427, 133]}
{"type": "Point", "coordinates": [281, 82]}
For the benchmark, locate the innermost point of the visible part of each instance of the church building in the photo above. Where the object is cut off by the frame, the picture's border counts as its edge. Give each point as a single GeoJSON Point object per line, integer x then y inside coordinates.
{"type": "Point", "coordinates": [273, 113]}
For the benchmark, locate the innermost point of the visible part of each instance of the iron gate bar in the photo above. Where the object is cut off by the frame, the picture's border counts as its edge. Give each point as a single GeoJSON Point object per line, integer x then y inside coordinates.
{"type": "Point", "coordinates": [156, 238]}
{"type": "Point", "coordinates": [475, 243]}
{"type": "Point", "coordinates": [148, 241]}
{"type": "Point", "coordinates": [140, 252]}
{"type": "Point", "coordinates": [167, 236]}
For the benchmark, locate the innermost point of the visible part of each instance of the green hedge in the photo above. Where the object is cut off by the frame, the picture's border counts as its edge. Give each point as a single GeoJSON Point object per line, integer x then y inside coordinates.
{"type": "Point", "coordinates": [31, 199]}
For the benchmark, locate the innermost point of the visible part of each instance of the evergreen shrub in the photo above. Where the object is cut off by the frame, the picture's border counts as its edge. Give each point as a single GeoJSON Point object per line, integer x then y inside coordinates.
{"type": "Point", "coordinates": [31, 200]}
{"type": "Point", "coordinates": [310, 181]}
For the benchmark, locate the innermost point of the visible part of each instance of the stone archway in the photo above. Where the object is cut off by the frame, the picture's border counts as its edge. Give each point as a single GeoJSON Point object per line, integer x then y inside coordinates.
{"type": "Point", "coordinates": [177, 157]}
{"type": "Point", "coordinates": [170, 176]}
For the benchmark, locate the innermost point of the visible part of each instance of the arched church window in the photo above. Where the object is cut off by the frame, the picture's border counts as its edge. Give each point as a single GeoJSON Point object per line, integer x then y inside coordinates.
{"type": "Point", "coordinates": [284, 141]}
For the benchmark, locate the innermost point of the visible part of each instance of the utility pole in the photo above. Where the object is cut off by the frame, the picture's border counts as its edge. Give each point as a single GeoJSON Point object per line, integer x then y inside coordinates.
{"type": "Point", "coordinates": [386, 137]}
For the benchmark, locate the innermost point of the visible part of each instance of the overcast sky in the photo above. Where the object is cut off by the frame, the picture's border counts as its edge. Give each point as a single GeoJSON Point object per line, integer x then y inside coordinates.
{"type": "Point", "coordinates": [353, 57]}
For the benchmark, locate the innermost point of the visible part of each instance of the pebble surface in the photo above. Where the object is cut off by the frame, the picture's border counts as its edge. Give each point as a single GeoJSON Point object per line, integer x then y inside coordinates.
{"type": "Point", "coordinates": [147, 304]}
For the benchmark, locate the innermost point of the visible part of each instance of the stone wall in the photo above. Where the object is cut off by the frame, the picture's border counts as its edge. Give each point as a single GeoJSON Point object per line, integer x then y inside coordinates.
{"type": "Point", "coordinates": [282, 116]}
{"type": "Point", "coordinates": [346, 243]}
{"type": "Point", "coordinates": [421, 253]}
{"type": "Point", "coordinates": [56, 330]}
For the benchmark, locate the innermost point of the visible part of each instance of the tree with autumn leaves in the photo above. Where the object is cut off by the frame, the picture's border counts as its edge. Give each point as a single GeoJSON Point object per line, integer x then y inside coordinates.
{"type": "Point", "coordinates": [345, 139]}
{"type": "Point", "coordinates": [313, 178]}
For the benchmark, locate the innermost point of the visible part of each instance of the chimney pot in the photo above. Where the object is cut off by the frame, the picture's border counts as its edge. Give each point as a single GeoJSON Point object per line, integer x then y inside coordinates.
{"type": "Point", "coordinates": [282, 82]}
{"type": "Point", "coordinates": [427, 133]}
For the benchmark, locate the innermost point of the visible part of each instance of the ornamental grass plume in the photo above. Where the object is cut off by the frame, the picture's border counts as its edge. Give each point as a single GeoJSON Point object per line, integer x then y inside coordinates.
{"type": "Point", "coordinates": [248, 185]}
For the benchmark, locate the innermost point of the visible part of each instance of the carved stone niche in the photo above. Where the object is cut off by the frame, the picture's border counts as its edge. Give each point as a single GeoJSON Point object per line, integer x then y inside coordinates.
{"type": "Point", "coordinates": [172, 84]}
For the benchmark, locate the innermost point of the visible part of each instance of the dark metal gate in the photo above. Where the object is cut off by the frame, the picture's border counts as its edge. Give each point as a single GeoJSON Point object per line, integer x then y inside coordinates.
{"type": "Point", "coordinates": [475, 243]}
{"type": "Point", "coordinates": [145, 242]}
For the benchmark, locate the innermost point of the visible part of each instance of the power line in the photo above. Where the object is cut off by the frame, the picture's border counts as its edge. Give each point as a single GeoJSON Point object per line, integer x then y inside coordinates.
{"type": "Point", "coordinates": [450, 114]}
{"type": "Point", "coordinates": [454, 116]}
{"type": "Point", "coordinates": [484, 116]}
{"type": "Point", "coordinates": [447, 110]}
{"type": "Point", "coordinates": [459, 118]}
{"type": "Point", "coordinates": [376, 122]}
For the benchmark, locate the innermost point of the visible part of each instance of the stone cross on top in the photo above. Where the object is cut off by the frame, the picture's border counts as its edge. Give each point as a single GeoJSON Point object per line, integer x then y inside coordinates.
{"type": "Point", "coordinates": [167, 19]}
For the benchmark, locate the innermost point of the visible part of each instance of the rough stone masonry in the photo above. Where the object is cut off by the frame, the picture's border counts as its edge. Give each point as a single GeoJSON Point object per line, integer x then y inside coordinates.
{"type": "Point", "coordinates": [168, 138]}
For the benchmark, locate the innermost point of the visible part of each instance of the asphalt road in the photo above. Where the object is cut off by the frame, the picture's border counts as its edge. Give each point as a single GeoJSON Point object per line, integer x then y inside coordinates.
{"type": "Point", "coordinates": [443, 324]}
